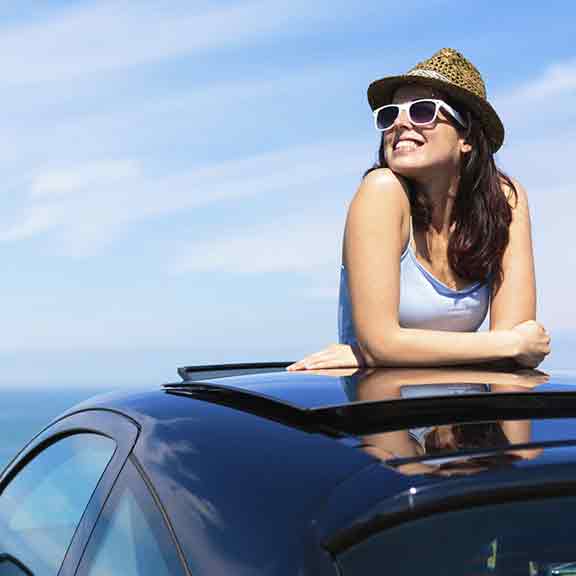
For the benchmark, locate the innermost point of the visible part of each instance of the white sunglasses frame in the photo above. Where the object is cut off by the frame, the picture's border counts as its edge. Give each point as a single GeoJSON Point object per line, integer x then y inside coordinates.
{"type": "Point", "coordinates": [406, 108]}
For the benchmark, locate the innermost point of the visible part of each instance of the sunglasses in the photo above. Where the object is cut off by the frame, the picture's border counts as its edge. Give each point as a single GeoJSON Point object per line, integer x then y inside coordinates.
{"type": "Point", "coordinates": [419, 112]}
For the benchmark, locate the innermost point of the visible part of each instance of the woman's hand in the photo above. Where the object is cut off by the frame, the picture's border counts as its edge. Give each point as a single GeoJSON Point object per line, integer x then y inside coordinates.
{"type": "Point", "coordinates": [534, 343]}
{"type": "Point", "coordinates": [334, 356]}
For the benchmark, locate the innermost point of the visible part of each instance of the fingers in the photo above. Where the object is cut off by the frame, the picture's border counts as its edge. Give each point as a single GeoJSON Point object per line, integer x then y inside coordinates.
{"type": "Point", "coordinates": [319, 359]}
{"type": "Point", "coordinates": [334, 356]}
{"type": "Point", "coordinates": [296, 366]}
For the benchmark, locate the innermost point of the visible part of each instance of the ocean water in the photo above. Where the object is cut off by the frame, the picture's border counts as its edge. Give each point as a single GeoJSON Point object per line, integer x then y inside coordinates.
{"type": "Point", "coordinates": [26, 409]}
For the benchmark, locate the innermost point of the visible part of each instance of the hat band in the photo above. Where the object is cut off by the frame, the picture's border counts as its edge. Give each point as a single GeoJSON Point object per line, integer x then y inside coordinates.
{"type": "Point", "coordinates": [428, 74]}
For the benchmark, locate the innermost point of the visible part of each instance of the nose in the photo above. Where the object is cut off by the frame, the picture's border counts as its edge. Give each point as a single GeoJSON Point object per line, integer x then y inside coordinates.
{"type": "Point", "coordinates": [403, 119]}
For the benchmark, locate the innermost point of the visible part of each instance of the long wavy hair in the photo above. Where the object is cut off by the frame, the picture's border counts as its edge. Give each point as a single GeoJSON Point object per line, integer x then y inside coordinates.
{"type": "Point", "coordinates": [481, 214]}
{"type": "Point", "coordinates": [474, 436]}
{"type": "Point", "coordinates": [471, 436]}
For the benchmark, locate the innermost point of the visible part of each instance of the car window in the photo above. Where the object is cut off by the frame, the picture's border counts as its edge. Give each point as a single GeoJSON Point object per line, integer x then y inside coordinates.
{"type": "Point", "coordinates": [131, 537]}
{"type": "Point", "coordinates": [42, 505]}
{"type": "Point", "coordinates": [533, 537]}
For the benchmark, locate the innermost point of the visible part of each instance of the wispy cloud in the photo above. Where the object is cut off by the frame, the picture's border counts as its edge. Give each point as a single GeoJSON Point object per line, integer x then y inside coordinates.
{"type": "Point", "coordinates": [541, 106]}
{"type": "Point", "coordinates": [107, 35]}
{"type": "Point", "coordinates": [558, 78]}
{"type": "Point", "coordinates": [81, 178]}
{"type": "Point", "coordinates": [88, 203]}
{"type": "Point", "coordinates": [292, 243]}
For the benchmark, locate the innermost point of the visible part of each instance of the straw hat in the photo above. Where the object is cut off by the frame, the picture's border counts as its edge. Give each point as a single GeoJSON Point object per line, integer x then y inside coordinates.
{"type": "Point", "coordinates": [453, 75]}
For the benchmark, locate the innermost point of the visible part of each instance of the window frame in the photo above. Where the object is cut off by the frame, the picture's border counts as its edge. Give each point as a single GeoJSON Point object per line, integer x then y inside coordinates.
{"type": "Point", "coordinates": [133, 478]}
{"type": "Point", "coordinates": [118, 427]}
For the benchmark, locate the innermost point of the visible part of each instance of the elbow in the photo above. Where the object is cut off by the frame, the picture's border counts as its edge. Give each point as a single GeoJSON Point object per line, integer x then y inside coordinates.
{"type": "Point", "coordinates": [380, 351]}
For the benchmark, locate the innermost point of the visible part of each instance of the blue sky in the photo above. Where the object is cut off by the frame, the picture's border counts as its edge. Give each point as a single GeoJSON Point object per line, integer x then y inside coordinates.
{"type": "Point", "coordinates": [176, 174]}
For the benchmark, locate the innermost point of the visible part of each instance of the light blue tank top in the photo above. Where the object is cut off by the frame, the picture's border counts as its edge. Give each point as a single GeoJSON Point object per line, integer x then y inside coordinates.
{"type": "Point", "coordinates": [425, 302]}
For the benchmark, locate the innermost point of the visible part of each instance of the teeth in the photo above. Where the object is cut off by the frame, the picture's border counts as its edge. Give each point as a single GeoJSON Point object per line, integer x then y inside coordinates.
{"type": "Point", "coordinates": [406, 145]}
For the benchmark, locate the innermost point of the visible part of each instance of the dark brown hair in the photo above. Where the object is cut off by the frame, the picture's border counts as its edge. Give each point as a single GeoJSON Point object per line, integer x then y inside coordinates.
{"type": "Point", "coordinates": [481, 213]}
{"type": "Point", "coordinates": [471, 436]}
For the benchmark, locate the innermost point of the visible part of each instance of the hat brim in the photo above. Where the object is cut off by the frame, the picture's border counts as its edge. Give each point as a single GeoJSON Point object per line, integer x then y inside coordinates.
{"type": "Point", "coordinates": [380, 93]}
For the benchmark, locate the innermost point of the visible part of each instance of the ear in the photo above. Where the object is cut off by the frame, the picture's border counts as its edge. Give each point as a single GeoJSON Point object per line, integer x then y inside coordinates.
{"type": "Point", "coordinates": [465, 146]}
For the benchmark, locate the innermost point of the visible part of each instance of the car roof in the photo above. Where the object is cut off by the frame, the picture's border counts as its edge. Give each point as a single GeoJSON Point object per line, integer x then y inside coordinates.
{"type": "Point", "coordinates": [311, 429]}
{"type": "Point", "coordinates": [312, 389]}
{"type": "Point", "coordinates": [328, 402]}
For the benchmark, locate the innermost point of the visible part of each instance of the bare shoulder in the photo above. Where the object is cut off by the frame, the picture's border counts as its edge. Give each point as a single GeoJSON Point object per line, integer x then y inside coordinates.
{"type": "Point", "coordinates": [380, 209]}
{"type": "Point", "coordinates": [383, 188]}
{"type": "Point", "coordinates": [515, 194]}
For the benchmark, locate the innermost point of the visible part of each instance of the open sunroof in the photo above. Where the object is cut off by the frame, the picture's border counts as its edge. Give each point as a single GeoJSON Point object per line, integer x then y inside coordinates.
{"type": "Point", "coordinates": [362, 418]}
{"type": "Point", "coordinates": [212, 371]}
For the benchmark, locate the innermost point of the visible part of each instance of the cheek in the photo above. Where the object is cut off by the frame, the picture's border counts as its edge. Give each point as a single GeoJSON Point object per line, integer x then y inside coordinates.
{"type": "Point", "coordinates": [386, 145]}
{"type": "Point", "coordinates": [446, 144]}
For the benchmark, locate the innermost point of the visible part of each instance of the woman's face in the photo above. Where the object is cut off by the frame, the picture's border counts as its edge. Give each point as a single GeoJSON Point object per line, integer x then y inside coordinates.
{"type": "Point", "coordinates": [416, 151]}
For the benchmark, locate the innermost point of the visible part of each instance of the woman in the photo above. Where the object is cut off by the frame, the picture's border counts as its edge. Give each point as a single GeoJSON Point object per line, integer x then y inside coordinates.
{"type": "Point", "coordinates": [436, 235]}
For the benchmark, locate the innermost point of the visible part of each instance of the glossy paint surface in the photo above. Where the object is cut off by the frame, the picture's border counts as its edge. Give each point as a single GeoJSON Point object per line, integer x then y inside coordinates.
{"type": "Point", "coordinates": [250, 484]}
{"type": "Point", "coordinates": [241, 491]}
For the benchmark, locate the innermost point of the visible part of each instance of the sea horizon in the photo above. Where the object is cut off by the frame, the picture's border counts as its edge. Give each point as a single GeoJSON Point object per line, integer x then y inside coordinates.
{"type": "Point", "coordinates": [31, 400]}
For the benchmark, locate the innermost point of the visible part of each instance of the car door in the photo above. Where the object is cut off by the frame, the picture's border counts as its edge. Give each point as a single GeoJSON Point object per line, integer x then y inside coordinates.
{"type": "Point", "coordinates": [52, 494]}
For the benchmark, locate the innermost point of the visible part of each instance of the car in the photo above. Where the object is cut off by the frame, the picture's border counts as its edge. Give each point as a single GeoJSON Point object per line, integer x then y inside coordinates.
{"type": "Point", "coordinates": [250, 469]}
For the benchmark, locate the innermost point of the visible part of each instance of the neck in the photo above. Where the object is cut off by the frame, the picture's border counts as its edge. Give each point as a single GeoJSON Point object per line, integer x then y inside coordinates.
{"type": "Point", "coordinates": [441, 191]}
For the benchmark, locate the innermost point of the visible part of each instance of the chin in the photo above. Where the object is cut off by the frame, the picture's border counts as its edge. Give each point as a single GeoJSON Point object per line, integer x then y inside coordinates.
{"type": "Point", "coordinates": [415, 165]}
{"type": "Point", "coordinates": [409, 168]}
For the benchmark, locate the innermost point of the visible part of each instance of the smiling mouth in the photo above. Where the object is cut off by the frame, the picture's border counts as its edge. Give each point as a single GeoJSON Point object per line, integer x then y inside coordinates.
{"type": "Point", "coordinates": [407, 145]}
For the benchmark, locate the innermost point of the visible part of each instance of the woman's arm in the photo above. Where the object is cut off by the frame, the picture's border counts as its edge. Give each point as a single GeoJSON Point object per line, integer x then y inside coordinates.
{"type": "Point", "coordinates": [372, 249]}
{"type": "Point", "coordinates": [386, 445]}
{"type": "Point", "coordinates": [378, 383]}
{"type": "Point", "coordinates": [514, 301]}
{"type": "Point", "coordinates": [376, 230]}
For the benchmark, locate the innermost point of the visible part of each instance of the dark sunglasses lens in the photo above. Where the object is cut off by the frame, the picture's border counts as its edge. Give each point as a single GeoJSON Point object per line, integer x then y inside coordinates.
{"type": "Point", "coordinates": [386, 117]}
{"type": "Point", "coordinates": [422, 112]}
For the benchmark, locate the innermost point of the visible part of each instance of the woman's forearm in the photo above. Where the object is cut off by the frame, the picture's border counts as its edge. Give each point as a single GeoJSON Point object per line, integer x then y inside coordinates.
{"type": "Point", "coordinates": [375, 381]}
{"type": "Point", "coordinates": [415, 347]}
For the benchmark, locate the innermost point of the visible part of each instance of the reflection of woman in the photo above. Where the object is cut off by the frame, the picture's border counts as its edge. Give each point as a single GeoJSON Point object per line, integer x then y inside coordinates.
{"type": "Point", "coordinates": [386, 384]}
{"type": "Point", "coordinates": [436, 235]}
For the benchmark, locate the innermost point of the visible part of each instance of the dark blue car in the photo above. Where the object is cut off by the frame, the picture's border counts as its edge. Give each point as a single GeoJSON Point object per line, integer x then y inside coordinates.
{"type": "Point", "coordinates": [249, 469]}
